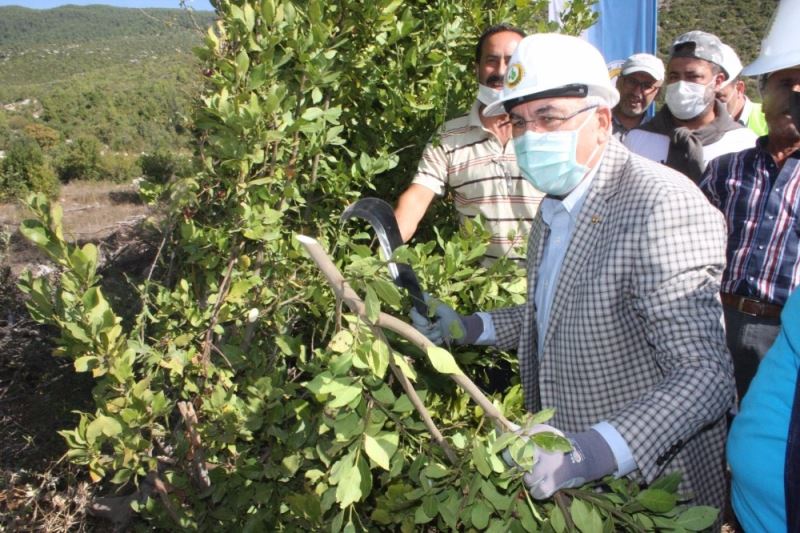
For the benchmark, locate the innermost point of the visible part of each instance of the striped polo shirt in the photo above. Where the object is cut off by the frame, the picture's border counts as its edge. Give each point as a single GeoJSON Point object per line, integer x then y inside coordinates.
{"type": "Point", "coordinates": [484, 179]}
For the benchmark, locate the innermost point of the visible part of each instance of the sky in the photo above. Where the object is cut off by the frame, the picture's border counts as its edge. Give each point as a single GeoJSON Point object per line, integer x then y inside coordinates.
{"type": "Point", "coordinates": [197, 5]}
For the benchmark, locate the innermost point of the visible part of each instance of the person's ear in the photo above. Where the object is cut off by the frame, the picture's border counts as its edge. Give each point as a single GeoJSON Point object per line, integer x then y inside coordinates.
{"type": "Point", "coordinates": [719, 79]}
{"type": "Point", "coordinates": [603, 124]}
{"type": "Point", "coordinates": [741, 88]}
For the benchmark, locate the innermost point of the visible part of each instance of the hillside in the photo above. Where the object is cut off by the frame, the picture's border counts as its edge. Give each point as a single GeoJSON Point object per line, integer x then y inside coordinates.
{"type": "Point", "coordinates": [124, 76]}
{"type": "Point", "coordinates": [740, 23]}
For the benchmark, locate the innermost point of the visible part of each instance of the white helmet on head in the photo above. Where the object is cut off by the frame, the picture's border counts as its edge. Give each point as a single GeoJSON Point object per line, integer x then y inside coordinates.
{"type": "Point", "coordinates": [549, 65]}
{"type": "Point", "coordinates": [780, 49]}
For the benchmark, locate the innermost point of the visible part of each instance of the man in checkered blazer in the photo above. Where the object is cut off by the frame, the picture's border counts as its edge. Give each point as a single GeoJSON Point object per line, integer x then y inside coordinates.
{"type": "Point", "coordinates": [621, 332]}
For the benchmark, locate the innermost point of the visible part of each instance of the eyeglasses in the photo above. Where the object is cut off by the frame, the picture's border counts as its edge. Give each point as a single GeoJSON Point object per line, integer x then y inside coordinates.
{"type": "Point", "coordinates": [544, 122]}
{"type": "Point", "coordinates": [631, 83]}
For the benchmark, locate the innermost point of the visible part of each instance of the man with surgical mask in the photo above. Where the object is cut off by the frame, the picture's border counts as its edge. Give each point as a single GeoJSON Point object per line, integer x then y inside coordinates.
{"type": "Point", "coordinates": [621, 331]}
{"type": "Point", "coordinates": [473, 158]}
{"type": "Point", "coordinates": [693, 127]}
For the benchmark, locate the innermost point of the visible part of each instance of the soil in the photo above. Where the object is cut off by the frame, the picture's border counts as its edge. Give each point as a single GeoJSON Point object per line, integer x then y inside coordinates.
{"type": "Point", "coordinates": [39, 392]}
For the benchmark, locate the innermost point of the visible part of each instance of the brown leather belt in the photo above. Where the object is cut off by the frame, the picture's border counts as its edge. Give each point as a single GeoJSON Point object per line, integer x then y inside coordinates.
{"type": "Point", "coordinates": [751, 307]}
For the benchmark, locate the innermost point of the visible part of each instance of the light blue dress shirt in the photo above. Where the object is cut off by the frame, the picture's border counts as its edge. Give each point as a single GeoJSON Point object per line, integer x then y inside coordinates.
{"type": "Point", "coordinates": [561, 217]}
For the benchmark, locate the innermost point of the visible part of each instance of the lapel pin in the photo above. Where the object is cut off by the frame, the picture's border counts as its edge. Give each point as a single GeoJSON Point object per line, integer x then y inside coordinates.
{"type": "Point", "coordinates": [595, 219]}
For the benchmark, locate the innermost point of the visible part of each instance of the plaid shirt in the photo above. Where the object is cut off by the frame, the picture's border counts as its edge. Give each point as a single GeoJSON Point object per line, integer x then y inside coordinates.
{"type": "Point", "coordinates": [761, 204]}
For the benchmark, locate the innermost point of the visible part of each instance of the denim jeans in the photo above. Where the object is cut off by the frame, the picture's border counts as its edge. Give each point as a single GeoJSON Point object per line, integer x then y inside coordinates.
{"type": "Point", "coordinates": [748, 338]}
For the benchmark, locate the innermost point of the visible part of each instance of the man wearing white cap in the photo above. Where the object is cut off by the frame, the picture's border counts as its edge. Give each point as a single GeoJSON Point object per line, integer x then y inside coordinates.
{"type": "Point", "coordinates": [732, 94]}
{"type": "Point", "coordinates": [621, 330]}
{"type": "Point", "coordinates": [475, 161]}
{"type": "Point", "coordinates": [638, 83]}
{"type": "Point", "coordinates": [692, 128]}
{"type": "Point", "coordinates": [758, 191]}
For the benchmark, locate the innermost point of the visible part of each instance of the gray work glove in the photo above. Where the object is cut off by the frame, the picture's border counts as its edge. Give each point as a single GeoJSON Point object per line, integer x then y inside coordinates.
{"type": "Point", "coordinates": [591, 458]}
{"type": "Point", "coordinates": [445, 325]}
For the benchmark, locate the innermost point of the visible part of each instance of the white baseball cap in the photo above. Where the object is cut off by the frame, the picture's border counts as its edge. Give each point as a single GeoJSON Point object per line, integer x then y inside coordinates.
{"type": "Point", "coordinates": [730, 64]}
{"type": "Point", "coordinates": [548, 65]}
{"type": "Point", "coordinates": [647, 63]}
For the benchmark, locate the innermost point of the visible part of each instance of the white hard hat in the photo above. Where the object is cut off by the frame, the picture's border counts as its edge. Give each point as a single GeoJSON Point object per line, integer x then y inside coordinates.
{"type": "Point", "coordinates": [548, 65]}
{"type": "Point", "coordinates": [780, 49]}
{"type": "Point", "coordinates": [730, 64]}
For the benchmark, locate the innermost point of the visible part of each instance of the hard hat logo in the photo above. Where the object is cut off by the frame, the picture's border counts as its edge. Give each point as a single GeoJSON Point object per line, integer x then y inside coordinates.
{"type": "Point", "coordinates": [514, 75]}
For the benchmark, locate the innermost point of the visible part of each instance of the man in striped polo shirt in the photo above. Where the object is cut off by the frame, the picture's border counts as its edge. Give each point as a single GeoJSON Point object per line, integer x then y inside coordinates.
{"type": "Point", "coordinates": [475, 160]}
{"type": "Point", "coordinates": [758, 191]}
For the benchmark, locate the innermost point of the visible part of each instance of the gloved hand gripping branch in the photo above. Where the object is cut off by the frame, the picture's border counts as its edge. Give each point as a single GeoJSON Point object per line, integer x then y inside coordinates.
{"type": "Point", "coordinates": [446, 325]}
{"type": "Point", "coordinates": [591, 458]}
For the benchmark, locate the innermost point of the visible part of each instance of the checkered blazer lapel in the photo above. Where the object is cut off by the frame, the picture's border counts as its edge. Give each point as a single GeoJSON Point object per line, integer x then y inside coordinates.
{"type": "Point", "coordinates": [588, 231]}
{"type": "Point", "coordinates": [526, 351]}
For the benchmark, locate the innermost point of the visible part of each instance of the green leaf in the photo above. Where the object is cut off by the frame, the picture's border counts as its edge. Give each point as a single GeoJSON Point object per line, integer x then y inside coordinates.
{"type": "Point", "coordinates": [480, 515]}
{"type": "Point", "coordinates": [312, 113]}
{"type": "Point", "coordinates": [557, 521]}
{"type": "Point", "coordinates": [503, 441]}
{"type": "Point", "coordinates": [697, 518]}
{"type": "Point", "coordinates": [102, 425]}
{"type": "Point", "coordinates": [346, 426]}
{"type": "Point", "coordinates": [498, 501]}
{"type": "Point", "coordinates": [387, 292]}
{"type": "Point", "coordinates": [405, 368]}
{"type": "Point", "coordinates": [344, 395]}
{"type": "Point", "coordinates": [443, 361]}
{"type": "Point", "coordinates": [381, 448]}
{"type": "Point", "coordinates": [449, 508]}
{"type": "Point", "coordinates": [372, 305]}
{"type": "Point", "coordinates": [341, 342]}
{"type": "Point", "coordinates": [436, 471]}
{"type": "Point", "coordinates": [541, 417]}
{"type": "Point", "coordinates": [378, 358]}
{"type": "Point", "coordinates": [669, 483]}
{"type": "Point", "coordinates": [86, 363]}
{"type": "Point", "coordinates": [585, 516]}
{"type": "Point", "coordinates": [34, 231]}
{"type": "Point", "coordinates": [551, 442]}
{"type": "Point", "coordinates": [348, 490]}
{"type": "Point", "coordinates": [657, 500]}
{"type": "Point", "coordinates": [480, 460]}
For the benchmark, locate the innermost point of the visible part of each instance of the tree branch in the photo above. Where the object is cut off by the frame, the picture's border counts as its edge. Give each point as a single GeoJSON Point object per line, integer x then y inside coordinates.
{"type": "Point", "coordinates": [344, 292]}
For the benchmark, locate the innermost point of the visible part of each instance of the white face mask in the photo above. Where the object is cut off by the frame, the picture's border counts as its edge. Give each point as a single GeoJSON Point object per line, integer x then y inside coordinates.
{"type": "Point", "coordinates": [687, 100]}
{"type": "Point", "coordinates": [487, 95]}
{"type": "Point", "coordinates": [549, 159]}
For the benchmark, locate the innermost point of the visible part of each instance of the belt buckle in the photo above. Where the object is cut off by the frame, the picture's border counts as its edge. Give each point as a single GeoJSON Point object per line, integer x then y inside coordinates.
{"type": "Point", "coordinates": [758, 305]}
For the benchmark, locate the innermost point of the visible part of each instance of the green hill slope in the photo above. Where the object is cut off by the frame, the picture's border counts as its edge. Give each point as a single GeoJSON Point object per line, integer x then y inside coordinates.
{"type": "Point", "coordinates": [739, 23]}
{"type": "Point", "coordinates": [124, 76]}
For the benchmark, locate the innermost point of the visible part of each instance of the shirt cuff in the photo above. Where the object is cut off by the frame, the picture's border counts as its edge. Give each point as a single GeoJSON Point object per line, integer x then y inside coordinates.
{"type": "Point", "coordinates": [488, 336]}
{"type": "Point", "coordinates": [622, 453]}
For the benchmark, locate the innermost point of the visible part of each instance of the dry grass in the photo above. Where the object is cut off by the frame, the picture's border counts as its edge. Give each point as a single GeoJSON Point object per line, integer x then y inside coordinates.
{"type": "Point", "coordinates": [91, 209]}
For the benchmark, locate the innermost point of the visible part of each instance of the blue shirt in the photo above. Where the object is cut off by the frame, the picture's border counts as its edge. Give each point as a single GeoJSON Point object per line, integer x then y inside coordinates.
{"type": "Point", "coordinates": [757, 440]}
{"type": "Point", "coordinates": [761, 204]}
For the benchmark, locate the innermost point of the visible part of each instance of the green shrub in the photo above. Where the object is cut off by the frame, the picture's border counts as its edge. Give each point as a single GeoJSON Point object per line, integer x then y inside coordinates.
{"type": "Point", "coordinates": [25, 170]}
{"type": "Point", "coordinates": [119, 168]}
{"type": "Point", "coordinates": [79, 160]}
{"type": "Point", "coordinates": [158, 166]}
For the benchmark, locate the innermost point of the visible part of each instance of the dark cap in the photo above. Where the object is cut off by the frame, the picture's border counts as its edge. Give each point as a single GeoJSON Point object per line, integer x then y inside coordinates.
{"type": "Point", "coordinates": [699, 45]}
